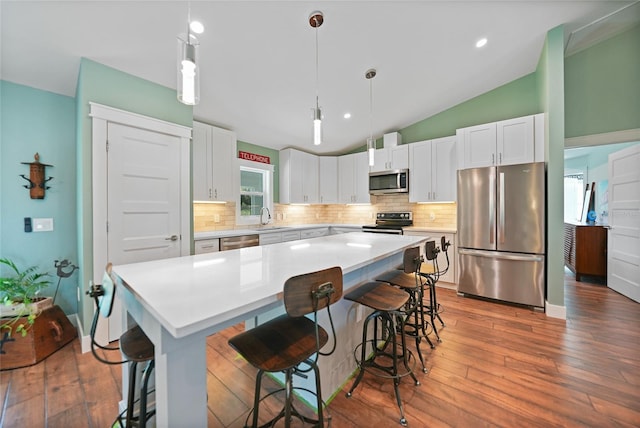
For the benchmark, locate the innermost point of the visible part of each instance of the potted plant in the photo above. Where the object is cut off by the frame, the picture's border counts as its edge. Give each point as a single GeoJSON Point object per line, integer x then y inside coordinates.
{"type": "Point", "coordinates": [20, 303]}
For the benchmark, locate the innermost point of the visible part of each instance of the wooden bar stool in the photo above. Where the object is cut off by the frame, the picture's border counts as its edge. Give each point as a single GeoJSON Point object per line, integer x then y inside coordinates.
{"type": "Point", "coordinates": [370, 355]}
{"type": "Point", "coordinates": [291, 343]}
{"type": "Point", "coordinates": [408, 278]}
{"type": "Point", "coordinates": [134, 345]}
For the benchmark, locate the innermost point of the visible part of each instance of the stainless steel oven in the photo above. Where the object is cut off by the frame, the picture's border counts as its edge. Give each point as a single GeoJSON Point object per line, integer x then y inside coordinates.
{"type": "Point", "coordinates": [390, 223]}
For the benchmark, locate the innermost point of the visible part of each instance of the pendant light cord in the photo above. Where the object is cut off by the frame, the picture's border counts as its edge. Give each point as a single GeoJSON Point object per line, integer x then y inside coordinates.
{"type": "Point", "coordinates": [317, 68]}
{"type": "Point", "coordinates": [371, 108]}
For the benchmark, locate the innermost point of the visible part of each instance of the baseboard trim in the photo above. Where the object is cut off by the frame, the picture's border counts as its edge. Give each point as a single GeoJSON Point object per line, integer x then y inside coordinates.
{"type": "Point", "coordinates": [85, 341]}
{"type": "Point", "coordinates": [555, 311]}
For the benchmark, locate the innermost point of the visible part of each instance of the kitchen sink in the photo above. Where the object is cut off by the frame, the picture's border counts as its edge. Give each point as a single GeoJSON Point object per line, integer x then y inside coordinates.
{"type": "Point", "coordinates": [271, 228]}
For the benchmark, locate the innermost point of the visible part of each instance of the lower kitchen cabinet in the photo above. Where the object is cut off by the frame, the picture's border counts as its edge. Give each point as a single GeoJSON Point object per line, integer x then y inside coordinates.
{"type": "Point", "coordinates": [314, 233]}
{"type": "Point", "coordinates": [270, 238]}
{"type": "Point", "coordinates": [451, 277]}
{"type": "Point", "coordinates": [207, 246]}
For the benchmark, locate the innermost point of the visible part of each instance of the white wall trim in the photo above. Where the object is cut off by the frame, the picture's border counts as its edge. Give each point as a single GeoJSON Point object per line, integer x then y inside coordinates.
{"type": "Point", "coordinates": [85, 340]}
{"type": "Point", "coordinates": [555, 311]}
{"type": "Point", "coordinates": [115, 115]}
{"type": "Point", "coordinates": [625, 136]}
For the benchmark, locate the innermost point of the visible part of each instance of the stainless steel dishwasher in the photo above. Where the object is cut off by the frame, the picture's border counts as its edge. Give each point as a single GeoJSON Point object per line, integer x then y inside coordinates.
{"type": "Point", "coordinates": [233, 242]}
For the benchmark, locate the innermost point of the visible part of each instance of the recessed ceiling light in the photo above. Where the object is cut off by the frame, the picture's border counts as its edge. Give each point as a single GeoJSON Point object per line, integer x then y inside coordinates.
{"type": "Point", "coordinates": [480, 43]}
{"type": "Point", "coordinates": [347, 115]}
{"type": "Point", "coordinates": [196, 27]}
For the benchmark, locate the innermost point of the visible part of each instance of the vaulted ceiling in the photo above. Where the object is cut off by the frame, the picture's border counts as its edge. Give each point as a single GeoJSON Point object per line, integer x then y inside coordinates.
{"type": "Point", "coordinates": [258, 58]}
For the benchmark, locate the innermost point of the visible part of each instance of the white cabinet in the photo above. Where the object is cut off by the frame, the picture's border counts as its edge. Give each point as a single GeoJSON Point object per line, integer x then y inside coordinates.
{"type": "Point", "coordinates": [336, 230]}
{"type": "Point", "coordinates": [276, 237]}
{"type": "Point", "coordinates": [427, 267]}
{"type": "Point", "coordinates": [206, 246]}
{"type": "Point", "coordinates": [507, 142]}
{"type": "Point", "coordinates": [432, 170]}
{"type": "Point", "coordinates": [314, 233]}
{"type": "Point", "coordinates": [328, 179]}
{"type": "Point", "coordinates": [214, 154]}
{"type": "Point", "coordinates": [353, 174]}
{"type": "Point", "coordinates": [298, 177]}
{"type": "Point", "coordinates": [290, 235]}
{"type": "Point", "coordinates": [390, 158]}
{"type": "Point", "coordinates": [270, 238]}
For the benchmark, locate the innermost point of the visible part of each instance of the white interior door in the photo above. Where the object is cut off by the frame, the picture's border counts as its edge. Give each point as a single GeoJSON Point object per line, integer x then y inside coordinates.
{"type": "Point", "coordinates": [143, 195]}
{"type": "Point", "coordinates": [623, 261]}
{"type": "Point", "coordinates": [143, 200]}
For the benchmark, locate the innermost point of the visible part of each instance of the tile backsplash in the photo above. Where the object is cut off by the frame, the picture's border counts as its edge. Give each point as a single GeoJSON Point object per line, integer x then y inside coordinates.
{"type": "Point", "coordinates": [209, 217]}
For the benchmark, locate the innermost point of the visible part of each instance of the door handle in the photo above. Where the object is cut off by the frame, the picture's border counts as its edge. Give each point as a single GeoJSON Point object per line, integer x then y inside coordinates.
{"type": "Point", "coordinates": [172, 238]}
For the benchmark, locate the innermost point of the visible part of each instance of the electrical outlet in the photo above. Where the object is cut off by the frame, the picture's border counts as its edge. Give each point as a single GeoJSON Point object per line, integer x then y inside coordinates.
{"type": "Point", "coordinates": [216, 218]}
{"type": "Point", "coordinates": [432, 216]}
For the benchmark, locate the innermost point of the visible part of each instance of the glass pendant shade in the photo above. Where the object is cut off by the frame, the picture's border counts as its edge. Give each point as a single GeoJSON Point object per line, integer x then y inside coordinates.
{"type": "Point", "coordinates": [317, 126]}
{"type": "Point", "coordinates": [371, 149]}
{"type": "Point", "coordinates": [188, 72]}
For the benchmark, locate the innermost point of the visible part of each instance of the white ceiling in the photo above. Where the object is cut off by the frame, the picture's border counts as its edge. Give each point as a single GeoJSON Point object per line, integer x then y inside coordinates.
{"type": "Point", "coordinates": [257, 58]}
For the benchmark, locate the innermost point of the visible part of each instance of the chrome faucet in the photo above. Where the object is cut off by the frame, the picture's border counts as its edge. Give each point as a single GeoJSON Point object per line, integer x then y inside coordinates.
{"type": "Point", "coordinates": [262, 210]}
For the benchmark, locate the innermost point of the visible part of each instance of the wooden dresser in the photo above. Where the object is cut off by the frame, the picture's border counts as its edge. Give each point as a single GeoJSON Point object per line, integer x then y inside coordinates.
{"type": "Point", "coordinates": [585, 249]}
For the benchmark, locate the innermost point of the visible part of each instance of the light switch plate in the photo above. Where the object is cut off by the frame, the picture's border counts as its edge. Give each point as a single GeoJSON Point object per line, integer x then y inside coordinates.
{"type": "Point", "coordinates": [42, 224]}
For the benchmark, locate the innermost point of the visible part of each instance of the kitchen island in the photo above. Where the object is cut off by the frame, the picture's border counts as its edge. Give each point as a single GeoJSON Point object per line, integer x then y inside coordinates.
{"type": "Point", "coordinates": [179, 302]}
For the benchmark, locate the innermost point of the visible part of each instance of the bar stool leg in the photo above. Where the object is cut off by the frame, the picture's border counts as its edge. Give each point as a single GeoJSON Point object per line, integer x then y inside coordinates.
{"type": "Point", "coordinates": [131, 398]}
{"type": "Point", "coordinates": [256, 398]}
{"type": "Point", "coordinates": [142, 418]}
{"type": "Point", "coordinates": [363, 350]}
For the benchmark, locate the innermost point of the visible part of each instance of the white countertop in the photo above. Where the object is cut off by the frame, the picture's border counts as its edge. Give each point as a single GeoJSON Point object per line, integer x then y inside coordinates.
{"type": "Point", "coordinates": [197, 236]}
{"type": "Point", "coordinates": [431, 229]}
{"type": "Point", "coordinates": [189, 294]}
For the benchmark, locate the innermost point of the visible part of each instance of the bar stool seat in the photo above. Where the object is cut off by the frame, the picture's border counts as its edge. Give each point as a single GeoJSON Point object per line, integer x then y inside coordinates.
{"type": "Point", "coordinates": [289, 342]}
{"type": "Point", "coordinates": [387, 303]}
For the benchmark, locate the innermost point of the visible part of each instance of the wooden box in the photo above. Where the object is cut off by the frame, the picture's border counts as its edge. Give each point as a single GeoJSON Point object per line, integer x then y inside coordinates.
{"type": "Point", "coordinates": [50, 332]}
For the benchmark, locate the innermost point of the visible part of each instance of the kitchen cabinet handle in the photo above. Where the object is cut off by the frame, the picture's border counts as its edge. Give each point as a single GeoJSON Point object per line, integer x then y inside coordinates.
{"type": "Point", "coordinates": [493, 159]}
{"type": "Point", "coordinates": [172, 238]}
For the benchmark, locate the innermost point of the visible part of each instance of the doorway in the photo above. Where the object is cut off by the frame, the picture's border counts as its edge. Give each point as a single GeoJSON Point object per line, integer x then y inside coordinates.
{"type": "Point", "coordinates": [140, 211]}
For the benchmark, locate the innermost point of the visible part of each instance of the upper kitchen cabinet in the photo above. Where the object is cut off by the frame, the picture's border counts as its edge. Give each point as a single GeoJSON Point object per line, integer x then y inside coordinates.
{"type": "Point", "coordinates": [507, 142]}
{"type": "Point", "coordinates": [390, 158]}
{"type": "Point", "coordinates": [328, 177]}
{"type": "Point", "coordinates": [353, 174]}
{"type": "Point", "coordinates": [432, 170]}
{"type": "Point", "coordinates": [214, 154]}
{"type": "Point", "coordinates": [298, 177]}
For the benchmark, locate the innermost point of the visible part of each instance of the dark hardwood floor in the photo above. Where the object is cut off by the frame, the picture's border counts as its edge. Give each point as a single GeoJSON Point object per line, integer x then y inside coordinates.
{"type": "Point", "coordinates": [498, 365]}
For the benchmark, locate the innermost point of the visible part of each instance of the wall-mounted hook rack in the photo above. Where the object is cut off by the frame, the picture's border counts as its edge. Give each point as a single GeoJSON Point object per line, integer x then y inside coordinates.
{"type": "Point", "coordinates": [37, 181]}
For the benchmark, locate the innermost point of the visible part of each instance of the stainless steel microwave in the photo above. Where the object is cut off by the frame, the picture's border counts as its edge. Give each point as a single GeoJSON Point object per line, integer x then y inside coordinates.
{"type": "Point", "coordinates": [395, 181]}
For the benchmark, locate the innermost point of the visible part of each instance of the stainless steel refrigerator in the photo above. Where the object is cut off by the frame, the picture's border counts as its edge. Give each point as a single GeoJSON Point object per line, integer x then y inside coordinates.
{"type": "Point", "coordinates": [501, 232]}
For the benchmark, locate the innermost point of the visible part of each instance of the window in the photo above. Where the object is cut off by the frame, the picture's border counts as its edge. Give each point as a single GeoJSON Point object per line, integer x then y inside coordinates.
{"type": "Point", "coordinates": [573, 196]}
{"type": "Point", "coordinates": [256, 183]}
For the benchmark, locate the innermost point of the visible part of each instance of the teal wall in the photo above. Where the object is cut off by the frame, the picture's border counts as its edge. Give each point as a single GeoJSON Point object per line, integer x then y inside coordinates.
{"type": "Point", "coordinates": [274, 157]}
{"type": "Point", "coordinates": [104, 85]}
{"type": "Point", "coordinates": [603, 86]}
{"type": "Point", "coordinates": [37, 121]}
{"type": "Point", "coordinates": [514, 99]}
{"type": "Point", "coordinates": [551, 94]}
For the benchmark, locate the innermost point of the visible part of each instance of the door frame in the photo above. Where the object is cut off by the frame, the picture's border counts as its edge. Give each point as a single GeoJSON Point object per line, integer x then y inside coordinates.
{"type": "Point", "coordinates": [101, 116]}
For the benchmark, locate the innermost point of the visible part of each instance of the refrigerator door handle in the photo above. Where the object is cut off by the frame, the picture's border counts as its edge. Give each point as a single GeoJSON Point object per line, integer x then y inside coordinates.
{"type": "Point", "coordinates": [503, 256]}
{"type": "Point", "coordinates": [492, 208]}
{"type": "Point", "coordinates": [501, 208]}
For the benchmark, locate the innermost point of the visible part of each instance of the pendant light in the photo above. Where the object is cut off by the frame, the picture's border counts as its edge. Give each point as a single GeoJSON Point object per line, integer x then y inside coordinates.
{"type": "Point", "coordinates": [188, 72]}
{"type": "Point", "coordinates": [371, 143]}
{"type": "Point", "coordinates": [315, 20]}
